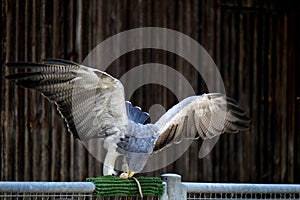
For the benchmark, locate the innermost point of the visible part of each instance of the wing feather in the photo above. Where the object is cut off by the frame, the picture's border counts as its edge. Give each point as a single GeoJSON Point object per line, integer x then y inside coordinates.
{"type": "Point", "coordinates": [91, 101]}
{"type": "Point", "coordinates": [209, 115]}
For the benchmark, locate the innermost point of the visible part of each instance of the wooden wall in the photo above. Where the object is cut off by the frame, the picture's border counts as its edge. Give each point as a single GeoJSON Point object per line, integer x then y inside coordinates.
{"type": "Point", "coordinates": [255, 45]}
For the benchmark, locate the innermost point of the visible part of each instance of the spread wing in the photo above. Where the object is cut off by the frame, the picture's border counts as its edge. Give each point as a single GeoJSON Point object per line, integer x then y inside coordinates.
{"type": "Point", "coordinates": [209, 115]}
{"type": "Point", "coordinates": [91, 101]}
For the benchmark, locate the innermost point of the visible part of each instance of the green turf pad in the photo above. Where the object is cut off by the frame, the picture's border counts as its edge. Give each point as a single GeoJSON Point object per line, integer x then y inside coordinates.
{"type": "Point", "coordinates": [115, 186]}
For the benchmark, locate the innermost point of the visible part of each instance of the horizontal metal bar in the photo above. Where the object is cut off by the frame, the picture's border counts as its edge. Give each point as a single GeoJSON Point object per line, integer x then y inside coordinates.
{"type": "Point", "coordinates": [241, 188]}
{"type": "Point", "coordinates": [42, 196]}
{"type": "Point", "coordinates": [47, 187]}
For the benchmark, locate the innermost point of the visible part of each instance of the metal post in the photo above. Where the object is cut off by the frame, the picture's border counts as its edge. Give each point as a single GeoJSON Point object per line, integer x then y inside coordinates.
{"type": "Point", "coordinates": [175, 190]}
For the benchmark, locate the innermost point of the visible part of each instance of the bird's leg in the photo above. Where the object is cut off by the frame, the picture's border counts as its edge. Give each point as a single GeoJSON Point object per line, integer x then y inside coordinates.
{"type": "Point", "coordinates": [109, 162]}
{"type": "Point", "coordinates": [125, 167]}
{"type": "Point", "coordinates": [112, 153]}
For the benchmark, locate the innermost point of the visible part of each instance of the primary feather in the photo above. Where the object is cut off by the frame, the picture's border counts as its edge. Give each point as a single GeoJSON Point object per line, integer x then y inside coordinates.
{"type": "Point", "coordinates": [86, 98]}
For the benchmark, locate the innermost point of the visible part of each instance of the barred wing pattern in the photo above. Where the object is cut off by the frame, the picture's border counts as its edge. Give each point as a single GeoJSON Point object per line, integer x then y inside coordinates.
{"type": "Point", "coordinates": [91, 101]}
{"type": "Point", "coordinates": [93, 104]}
{"type": "Point", "coordinates": [209, 115]}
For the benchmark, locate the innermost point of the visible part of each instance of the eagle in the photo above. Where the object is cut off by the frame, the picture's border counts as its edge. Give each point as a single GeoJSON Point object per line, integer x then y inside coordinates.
{"type": "Point", "coordinates": [93, 105]}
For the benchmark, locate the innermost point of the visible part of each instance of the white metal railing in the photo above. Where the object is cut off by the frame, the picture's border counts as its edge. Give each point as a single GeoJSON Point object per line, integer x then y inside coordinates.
{"type": "Point", "coordinates": [241, 188]}
{"type": "Point", "coordinates": [187, 190]}
{"type": "Point", "coordinates": [175, 190]}
{"type": "Point", "coordinates": [46, 190]}
{"type": "Point", "coordinates": [49, 187]}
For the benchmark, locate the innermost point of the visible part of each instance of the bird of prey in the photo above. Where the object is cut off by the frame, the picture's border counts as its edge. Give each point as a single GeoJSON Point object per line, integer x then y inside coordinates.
{"type": "Point", "coordinates": [93, 105]}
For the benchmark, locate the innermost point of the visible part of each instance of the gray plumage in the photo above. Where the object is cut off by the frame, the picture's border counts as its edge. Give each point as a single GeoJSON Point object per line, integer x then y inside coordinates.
{"type": "Point", "coordinates": [93, 105]}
